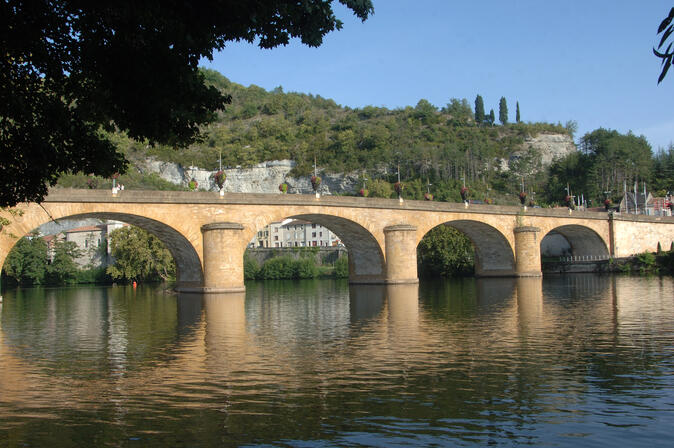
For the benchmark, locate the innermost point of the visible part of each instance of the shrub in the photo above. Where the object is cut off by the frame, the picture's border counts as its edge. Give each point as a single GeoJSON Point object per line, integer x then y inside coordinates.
{"type": "Point", "coordinates": [305, 268]}
{"type": "Point", "coordinates": [342, 267]}
{"type": "Point", "coordinates": [251, 268]}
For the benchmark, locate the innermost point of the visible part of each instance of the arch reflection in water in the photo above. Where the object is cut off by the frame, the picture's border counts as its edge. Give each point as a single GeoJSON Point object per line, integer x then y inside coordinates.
{"type": "Point", "coordinates": [366, 302]}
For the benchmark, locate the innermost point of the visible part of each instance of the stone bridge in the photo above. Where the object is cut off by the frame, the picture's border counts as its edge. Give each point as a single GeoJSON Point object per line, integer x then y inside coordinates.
{"type": "Point", "coordinates": [207, 234]}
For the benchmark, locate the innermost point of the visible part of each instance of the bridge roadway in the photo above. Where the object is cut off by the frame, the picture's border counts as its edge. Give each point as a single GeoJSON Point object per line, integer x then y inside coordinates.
{"type": "Point", "coordinates": [207, 234]}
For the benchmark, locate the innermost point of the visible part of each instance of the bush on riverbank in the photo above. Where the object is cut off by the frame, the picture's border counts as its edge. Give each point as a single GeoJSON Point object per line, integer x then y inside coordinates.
{"type": "Point", "coordinates": [286, 267]}
{"type": "Point", "coordinates": [645, 263]}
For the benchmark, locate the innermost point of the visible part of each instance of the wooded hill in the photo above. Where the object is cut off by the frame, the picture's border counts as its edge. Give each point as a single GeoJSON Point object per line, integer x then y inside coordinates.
{"type": "Point", "coordinates": [440, 146]}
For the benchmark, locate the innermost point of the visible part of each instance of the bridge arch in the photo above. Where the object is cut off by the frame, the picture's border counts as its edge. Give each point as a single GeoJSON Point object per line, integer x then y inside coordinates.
{"type": "Point", "coordinates": [582, 241]}
{"type": "Point", "coordinates": [188, 263]}
{"type": "Point", "coordinates": [366, 258]}
{"type": "Point", "coordinates": [494, 255]}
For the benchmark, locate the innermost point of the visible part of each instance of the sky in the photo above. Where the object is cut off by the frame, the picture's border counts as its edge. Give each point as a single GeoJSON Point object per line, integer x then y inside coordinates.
{"type": "Point", "coordinates": [589, 61]}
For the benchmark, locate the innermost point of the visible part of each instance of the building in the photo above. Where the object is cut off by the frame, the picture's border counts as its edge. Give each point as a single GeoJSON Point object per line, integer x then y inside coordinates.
{"type": "Point", "coordinates": [295, 233]}
{"type": "Point", "coordinates": [645, 204]}
{"type": "Point", "coordinates": [92, 241]}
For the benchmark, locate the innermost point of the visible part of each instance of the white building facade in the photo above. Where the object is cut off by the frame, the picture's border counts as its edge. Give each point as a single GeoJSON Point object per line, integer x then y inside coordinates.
{"type": "Point", "coordinates": [295, 233]}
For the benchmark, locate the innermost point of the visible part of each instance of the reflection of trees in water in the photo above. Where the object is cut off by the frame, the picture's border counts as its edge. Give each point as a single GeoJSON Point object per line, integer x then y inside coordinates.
{"type": "Point", "coordinates": [458, 298]}
{"type": "Point", "coordinates": [98, 330]}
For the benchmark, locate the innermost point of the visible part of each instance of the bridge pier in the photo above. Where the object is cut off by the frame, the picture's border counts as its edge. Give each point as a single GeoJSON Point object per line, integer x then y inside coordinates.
{"type": "Point", "coordinates": [222, 258]}
{"type": "Point", "coordinates": [527, 252]}
{"type": "Point", "coordinates": [401, 254]}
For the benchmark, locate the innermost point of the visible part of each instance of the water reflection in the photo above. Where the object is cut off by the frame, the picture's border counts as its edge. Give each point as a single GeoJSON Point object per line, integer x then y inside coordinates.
{"type": "Point", "coordinates": [366, 302]}
{"type": "Point", "coordinates": [461, 362]}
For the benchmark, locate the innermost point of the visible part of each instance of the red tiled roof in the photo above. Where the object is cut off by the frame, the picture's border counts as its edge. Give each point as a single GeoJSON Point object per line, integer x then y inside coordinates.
{"type": "Point", "coordinates": [86, 229]}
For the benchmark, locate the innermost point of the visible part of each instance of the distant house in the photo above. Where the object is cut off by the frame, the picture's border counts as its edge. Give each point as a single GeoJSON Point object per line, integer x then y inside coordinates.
{"type": "Point", "coordinates": [661, 206]}
{"type": "Point", "coordinates": [295, 233]}
{"type": "Point", "coordinates": [637, 204]}
{"type": "Point", "coordinates": [92, 241]}
{"type": "Point", "coordinates": [89, 240]}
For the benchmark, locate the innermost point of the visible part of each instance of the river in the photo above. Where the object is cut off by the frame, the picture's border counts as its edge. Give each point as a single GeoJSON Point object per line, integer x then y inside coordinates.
{"type": "Point", "coordinates": [575, 360]}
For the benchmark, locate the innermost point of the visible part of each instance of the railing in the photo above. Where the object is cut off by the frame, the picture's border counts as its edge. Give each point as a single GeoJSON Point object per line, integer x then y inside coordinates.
{"type": "Point", "coordinates": [584, 258]}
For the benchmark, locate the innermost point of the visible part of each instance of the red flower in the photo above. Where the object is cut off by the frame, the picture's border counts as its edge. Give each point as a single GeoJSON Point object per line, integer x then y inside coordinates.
{"type": "Point", "coordinates": [464, 193]}
{"type": "Point", "coordinates": [283, 188]}
{"type": "Point", "coordinates": [315, 182]}
{"type": "Point", "coordinates": [220, 178]}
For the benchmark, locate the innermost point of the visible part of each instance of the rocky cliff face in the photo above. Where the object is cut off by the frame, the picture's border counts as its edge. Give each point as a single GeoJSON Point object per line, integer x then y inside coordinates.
{"type": "Point", "coordinates": [267, 176]}
{"type": "Point", "coordinates": [551, 146]}
{"type": "Point", "coordinates": [262, 178]}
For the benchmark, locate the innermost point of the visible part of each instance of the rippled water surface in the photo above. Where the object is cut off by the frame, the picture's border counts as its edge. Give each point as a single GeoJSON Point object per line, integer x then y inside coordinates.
{"type": "Point", "coordinates": [577, 360]}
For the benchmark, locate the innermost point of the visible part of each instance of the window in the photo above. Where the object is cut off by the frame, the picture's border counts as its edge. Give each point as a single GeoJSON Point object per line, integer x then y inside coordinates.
{"type": "Point", "coordinates": [276, 239]}
{"type": "Point", "coordinates": [313, 226]}
{"type": "Point", "coordinates": [275, 229]}
{"type": "Point", "coordinates": [320, 234]}
{"type": "Point", "coordinates": [313, 243]}
{"type": "Point", "coordinates": [313, 234]}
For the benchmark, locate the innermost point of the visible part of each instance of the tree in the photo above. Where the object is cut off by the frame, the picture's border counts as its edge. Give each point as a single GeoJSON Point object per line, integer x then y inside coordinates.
{"type": "Point", "coordinates": [492, 117]}
{"type": "Point", "coordinates": [517, 113]}
{"type": "Point", "coordinates": [479, 110]}
{"type": "Point", "coordinates": [379, 188]}
{"type": "Point", "coordinates": [27, 261]}
{"type": "Point", "coordinates": [667, 57]}
{"type": "Point", "coordinates": [63, 268]}
{"type": "Point", "coordinates": [70, 72]}
{"type": "Point", "coordinates": [446, 252]}
{"type": "Point", "coordinates": [139, 255]}
{"type": "Point", "coordinates": [459, 110]}
{"type": "Point", "coordinates": [503, 111]}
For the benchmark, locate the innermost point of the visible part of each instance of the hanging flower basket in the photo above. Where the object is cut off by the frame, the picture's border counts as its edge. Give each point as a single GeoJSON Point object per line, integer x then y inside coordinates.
{"type": "Point", "coordinates": [523, 197]}
{"type": "Point", "coordinates": [193, 185]}
{"type": "Point", "coordinates": [114, 176]}
{"type": "Point", "coordinates": [315, 182]}
{"type": "Point", "coordinates": [607, 204]}
{"type": "Point", "coordinates": [283, 188]}
{"type": "Point", "coordinates": [364, 192]}
{"type": "Point", "coordinates": [569, 202]}
{"type": "Point", "coordinates": [399, 187]}
{"type": "Point", "coordinates": [92, 182]}
{"type": "Point", "coordinates": [220, 178]}
{"type": "Point", "coordinates": [428, 196]}
{"type": "Point", "coordinates": [464, 193]}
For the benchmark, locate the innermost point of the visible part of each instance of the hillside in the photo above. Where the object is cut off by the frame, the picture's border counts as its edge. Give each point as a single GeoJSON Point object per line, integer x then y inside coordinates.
{"type": "Point", "coordinates": [431, 145]}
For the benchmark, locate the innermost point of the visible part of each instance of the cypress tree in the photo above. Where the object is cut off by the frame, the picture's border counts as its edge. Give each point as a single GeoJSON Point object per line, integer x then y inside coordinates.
{"type": "Point", "coordinates": [479, 110]}
{"type": "Point", "coordinates": [503, 111]}
{"type": "Point", "coordinates": [517, 113]}
{"type": "Point", "coordinates": [492, 117]}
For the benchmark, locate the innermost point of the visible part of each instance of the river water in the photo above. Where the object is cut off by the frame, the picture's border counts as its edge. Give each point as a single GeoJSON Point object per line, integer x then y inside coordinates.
{"type": "Point", "coordinates": [577, 360]}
